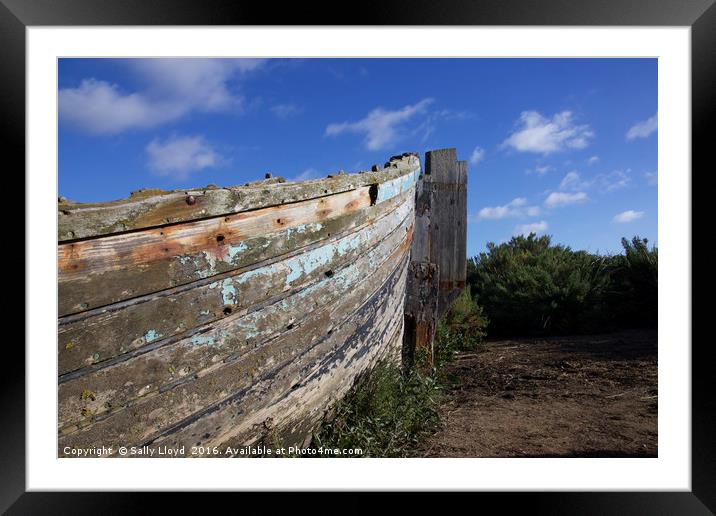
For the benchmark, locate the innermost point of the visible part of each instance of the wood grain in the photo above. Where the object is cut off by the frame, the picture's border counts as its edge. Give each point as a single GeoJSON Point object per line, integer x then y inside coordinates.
{"type": "Point", "coordinates": [105, 334]}
{"type": "Point", "coordinates": [151, 207]}
{"type": "Point", "coordinates": [231, 316]}
{"type": "Point", "coordinates": [247, 357]}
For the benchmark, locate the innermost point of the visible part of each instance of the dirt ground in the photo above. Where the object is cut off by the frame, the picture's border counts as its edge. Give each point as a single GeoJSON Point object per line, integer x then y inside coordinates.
{"type": "Point", "coordinates": [587, 396]}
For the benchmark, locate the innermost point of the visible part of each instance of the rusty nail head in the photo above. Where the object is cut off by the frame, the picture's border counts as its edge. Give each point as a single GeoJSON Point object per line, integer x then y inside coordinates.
{"type": "Point", "coordinates": [190, 200]}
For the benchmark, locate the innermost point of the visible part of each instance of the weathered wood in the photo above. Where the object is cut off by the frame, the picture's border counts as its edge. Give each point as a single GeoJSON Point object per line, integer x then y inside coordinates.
{"type": "Point", "coordinates": [460, 270]}
{"type": "Point", "coordinates": [262, 329]}
{"type": "Point", "coordinates": [167, 416]}
{"type": "Point", "coordinates": [162, 407]}
{"type": "Point", "coordinates": [293, 399]}
{"type": "Point", "coordinates": [420, 249]}
{"type": "Point", "coordinates": [151, 208]}
{"type": "Point", "coordinates": [421, 312]}
{"type": "Point", "coordinates": [164, 363]}
{"type": "Point", "coordinates": [107, 270]}
{"type": "Point", "coordinates": [294, 414]}
{"type": "Point", "coordinates": [438, 253]}
{"type": "Point", "coordinates": [446, 180]}
{"type": "Point", "coordinates": [106, 334]}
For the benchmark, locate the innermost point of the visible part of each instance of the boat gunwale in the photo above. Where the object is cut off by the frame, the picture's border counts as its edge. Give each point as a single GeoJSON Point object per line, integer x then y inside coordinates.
{"type": "Point", "coordinates": [140, 211]}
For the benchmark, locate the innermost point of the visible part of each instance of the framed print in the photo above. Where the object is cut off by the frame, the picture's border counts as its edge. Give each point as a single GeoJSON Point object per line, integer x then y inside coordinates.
{"type": "Point", "coordinates": [428, 248]}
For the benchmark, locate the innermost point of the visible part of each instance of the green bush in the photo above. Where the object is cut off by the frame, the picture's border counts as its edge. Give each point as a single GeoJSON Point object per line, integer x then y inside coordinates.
{"type": "Point", "coordinates": [528, 286]}
{"type": "Point", "coordinates": [466, 321]}
{"type": "Point", "coordinates": [633, 292]}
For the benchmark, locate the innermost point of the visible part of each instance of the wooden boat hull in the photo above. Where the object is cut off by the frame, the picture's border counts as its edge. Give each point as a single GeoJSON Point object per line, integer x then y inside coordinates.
{"type": "Point", "coordinates": [240, 320]}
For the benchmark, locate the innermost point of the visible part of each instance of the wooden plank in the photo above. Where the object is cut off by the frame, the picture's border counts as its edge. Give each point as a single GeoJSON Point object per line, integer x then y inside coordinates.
{"type": "Point", "coordinates": [106, 270]}
{"type": "Point", "coordinates": [157, 367]}
{"type": "Point", "coordinates": [102, 271]}
{"type": "Point", "coordinates": [443, 178]}
{"type": "Point", "coordinates": [438, 254]}
{"type": "Point", "coordinates": [293, 413]}
{"type": "Point", "coordinates": [421, 312]}
{"type": "Point", "coordinates": [294, 398]}
{"type": "Point", "coordinates": [420, 250]}
{"type": "Point", "coordinates": [397, 186]}
{"type": "Point", "coordinates": [150, 417]}
{"type": "Point", "coordinates": [163, 406]}
{"type": "Point", "coordinates": [461, 228]}
{"type": "Point", "coordinates": [106, 334]}
{"type": "Point", "coordinates": [450, 230]}
{"type": "Point", "coordinates": [152, 208]}
{"type": "Point", "coordinates": [297, 413]}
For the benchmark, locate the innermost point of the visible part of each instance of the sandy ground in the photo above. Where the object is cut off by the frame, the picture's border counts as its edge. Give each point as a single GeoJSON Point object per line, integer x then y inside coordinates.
{"type": "Point", "coordinates": [586, 396]}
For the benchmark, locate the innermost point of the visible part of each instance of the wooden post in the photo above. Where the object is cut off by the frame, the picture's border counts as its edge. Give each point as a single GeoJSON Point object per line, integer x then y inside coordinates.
{"type": "Point", "coordinates": [438, 252]}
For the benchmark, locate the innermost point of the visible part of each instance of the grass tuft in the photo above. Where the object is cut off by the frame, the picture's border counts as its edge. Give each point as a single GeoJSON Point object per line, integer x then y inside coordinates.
{"type": "Point", "coordinates": [386, 414]}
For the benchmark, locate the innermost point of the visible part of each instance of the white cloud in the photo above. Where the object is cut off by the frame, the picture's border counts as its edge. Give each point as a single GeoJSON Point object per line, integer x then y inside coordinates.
{"type": "Point", "coordinates": [643, 129]}
{"type": "Point", "coordinates": [540, 170]}
{"type": "Point", "coordinates": [286, 110]}
{"type": "Point", "coordinates": [179, 156]}
{"type": "Point", "coordinates": [532, 211]}
{"type": "Point", "coordinates": [514, 209]}
{"type": "Point", "coordinates": [173, 89]}
{"type": "Point", "coordinates": [652, 178]}
{"type": "Point", "coordinates": [556, 199]}
{"type": "Point", "coordinates": [477, 155]}
{"type": "Point", "coordinates": [380, 126]}
{"type": "Point", "coordinates": [99, 107]}
{"type": "Point", "coordinates": [433, 118]}
{"type": "Point", "coordinates": [543, 135]}
{"type": "Point", "coordinates": [202, 84]}
{"type": "Point", "coordinates": [615, 180]}
{"type": "Point", "coordinates": [627, 216]}
{"type": "Point", "coordinates": [534, 227]}
{"type": "Point", "coordinates": [309, 173]}
{"type": "Point", "coordinates": [593, 160]}
{"type": "Point", "coordinates": [573, 181]}
{"type": "Point", "coordinates": [452, 114]}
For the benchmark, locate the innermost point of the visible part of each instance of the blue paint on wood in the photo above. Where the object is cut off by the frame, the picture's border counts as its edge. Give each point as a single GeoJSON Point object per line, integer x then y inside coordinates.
{"type": "Point", "coordinates": [236, 249]}
{"type": "Point", "coordinates": [228, 292]}
{"type": "Point", "coordinates": [396, 186]}
{"type": "Point", "coordinates": [199, 340]}
{"type": "Point", "coordinates": [152, 335]}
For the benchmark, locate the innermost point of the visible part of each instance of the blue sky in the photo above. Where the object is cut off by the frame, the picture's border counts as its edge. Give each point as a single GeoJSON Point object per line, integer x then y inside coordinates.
{"type": "Point", "coordinates": [566, 147]}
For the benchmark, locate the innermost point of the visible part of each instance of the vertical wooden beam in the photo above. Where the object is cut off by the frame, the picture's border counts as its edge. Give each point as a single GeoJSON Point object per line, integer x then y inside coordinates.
{"type": "Point", "coordinates": [461, 227]}
{"type": "Point", "coordinates": [438, 253]}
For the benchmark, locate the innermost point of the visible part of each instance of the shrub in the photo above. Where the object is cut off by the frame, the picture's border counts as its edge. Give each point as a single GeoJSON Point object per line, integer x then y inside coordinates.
{"type": "Point", "coordinates": [633, 292]}
{"type": "Point", "coordinates": [465, 321]}
{"type": "Point", "coordinates": [528, 286]}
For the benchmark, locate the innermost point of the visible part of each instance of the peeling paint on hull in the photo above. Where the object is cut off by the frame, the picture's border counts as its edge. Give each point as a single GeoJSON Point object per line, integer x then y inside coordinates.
{"type": "Point", "coordinates": [224, 329]}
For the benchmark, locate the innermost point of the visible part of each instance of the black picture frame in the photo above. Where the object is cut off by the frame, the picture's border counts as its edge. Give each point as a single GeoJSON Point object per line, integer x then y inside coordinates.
{"type": "Point", "coordinates": [700, 15]}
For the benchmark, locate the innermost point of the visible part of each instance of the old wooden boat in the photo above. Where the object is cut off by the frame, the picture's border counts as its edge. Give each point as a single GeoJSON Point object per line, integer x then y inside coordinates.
{"type": "Point", "coordinates": [228, 316]}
